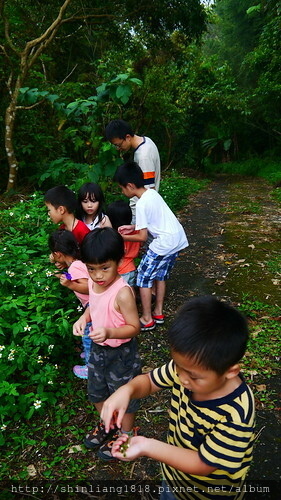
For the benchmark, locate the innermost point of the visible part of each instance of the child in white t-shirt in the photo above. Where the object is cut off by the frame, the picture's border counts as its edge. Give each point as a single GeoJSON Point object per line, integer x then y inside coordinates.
{"type": "Point", "coordinates": [154, 216]}
{"type": "Point", "coordinates": [65, 251]}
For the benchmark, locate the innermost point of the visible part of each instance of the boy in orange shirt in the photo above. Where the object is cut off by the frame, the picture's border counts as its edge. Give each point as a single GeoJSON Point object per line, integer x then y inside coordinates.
{"type": "Point", "coordinates": [120, 214]}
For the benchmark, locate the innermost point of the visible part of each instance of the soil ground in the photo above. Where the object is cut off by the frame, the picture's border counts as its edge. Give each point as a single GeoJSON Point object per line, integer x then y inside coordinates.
{"type": "Point", "coordinates": [229, 246]}
{"type": "Point", "coordinates": [232, 228]}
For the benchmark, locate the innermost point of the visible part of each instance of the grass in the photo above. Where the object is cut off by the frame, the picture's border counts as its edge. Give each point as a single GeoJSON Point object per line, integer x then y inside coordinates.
{"type": "Point", "coordinates": [262, 359]}
{"type": "Point", "coordinates": [267, 168]}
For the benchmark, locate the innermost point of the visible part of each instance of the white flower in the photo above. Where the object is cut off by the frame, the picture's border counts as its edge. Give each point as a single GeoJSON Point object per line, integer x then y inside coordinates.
{"type": "Point", "coordinates": [27, 216]}
{"type": "Point", "coordinates": [11, 214]}
{"type": "Point", "coordinates": [27, 328]}
{"type": "Point", "coordinates": [3, 427]}
{"type": "Point", "coordinates": [10, 273]}
{"type": "Point", "coordinates": [79, 308]}
{"type": "Point", "coordinates": [2, 347]}
{"type": "Point", "coordinates": [21, 201]}
{"type": "Point", "coordinates": [37, 404]}
{"type": "Point", "coordinates": [48, 273]}
{"type": "Point", "coordinates": [56, 367]}
{"type": "Point", "coordinates": [0, 354]}
{"type": "Point", "coordinates": [5, 248]}
{"type": "Point", "coordinates": [29, 272]}
{"type": "Point", "coordinates": [50, 382]}
{"type": "Point", "coordinates": [39, 360]}
{"type": "Point", "coordinates": [47, 288]}
{"type": "Point", "coordinates": [11, 356]}
{"type": "Point", "coordinates": [51, 347]}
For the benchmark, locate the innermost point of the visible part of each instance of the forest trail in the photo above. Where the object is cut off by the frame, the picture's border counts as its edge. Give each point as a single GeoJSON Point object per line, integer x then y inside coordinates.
{"type": "Point", "coordinates": [233, 228]}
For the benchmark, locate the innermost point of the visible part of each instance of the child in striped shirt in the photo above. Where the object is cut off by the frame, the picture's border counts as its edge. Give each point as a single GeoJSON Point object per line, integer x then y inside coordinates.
{"type": "Point", "coordinates": [211, 420]}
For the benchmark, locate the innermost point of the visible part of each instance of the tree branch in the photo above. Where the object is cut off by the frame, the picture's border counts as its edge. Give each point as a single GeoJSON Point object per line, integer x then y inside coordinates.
{"type": "Point", "coordinates": [67, 76]}
{"type": "Point", "coordinates": [32, 106]}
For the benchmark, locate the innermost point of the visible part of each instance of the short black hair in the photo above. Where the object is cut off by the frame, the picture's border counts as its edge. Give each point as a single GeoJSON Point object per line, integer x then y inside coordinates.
{"type": "Point", "coordinates": [62, 196]}
{"type": "Point", "coordinates": [119, 213]}
{"type": "Point", "coordinates": [65, 242]}
{"type": "Point", "coordinates": [129, 172]}
{"type": "Point", "coordinates": [211, 332]}
{"type": "Point", "coordinates": [101, 245]}
{"type": "Point", "coordinates": [118, 129]}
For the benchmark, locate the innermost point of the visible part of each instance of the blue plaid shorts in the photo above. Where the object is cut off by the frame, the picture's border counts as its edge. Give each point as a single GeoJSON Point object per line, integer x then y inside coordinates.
{"type": "Point", "coordinates": [154, 267]}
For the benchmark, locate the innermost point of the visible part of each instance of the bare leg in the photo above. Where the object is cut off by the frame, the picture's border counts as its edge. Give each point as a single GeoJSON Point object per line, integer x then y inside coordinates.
{"type": "Point", "coordinates": [99, 406]}
{"type": "Point", "coordinates": [128, 422]}
{"type": "Point", "coordinates": [160, 295]}
{"type": "Point", "coordinates": [145, 295]}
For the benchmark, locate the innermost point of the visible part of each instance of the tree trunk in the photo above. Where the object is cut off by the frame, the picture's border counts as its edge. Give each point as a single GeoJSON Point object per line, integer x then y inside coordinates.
{"type": "Point", "coordinates": [10, 117]}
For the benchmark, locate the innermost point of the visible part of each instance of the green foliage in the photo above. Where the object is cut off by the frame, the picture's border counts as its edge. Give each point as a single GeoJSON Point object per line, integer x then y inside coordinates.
{"type": "Point", "coordinates": [176, 189]}
{"type": "Point", "coordinates": [264, 345]}
{"type": "Point", "coordinates": [36, 315]}
{"type": "Point", "coordinates": [261, 167]}
{"type": "Point", "coordinates": [36, 312]}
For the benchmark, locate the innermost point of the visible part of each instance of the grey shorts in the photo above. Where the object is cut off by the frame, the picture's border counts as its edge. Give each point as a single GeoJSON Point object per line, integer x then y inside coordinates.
{"type": "Point", "coordinates": [111, 367]}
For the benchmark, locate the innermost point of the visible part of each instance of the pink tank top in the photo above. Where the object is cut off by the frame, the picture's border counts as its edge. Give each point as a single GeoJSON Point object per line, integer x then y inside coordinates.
{"type": "Point", "coordinates": [103, 312]}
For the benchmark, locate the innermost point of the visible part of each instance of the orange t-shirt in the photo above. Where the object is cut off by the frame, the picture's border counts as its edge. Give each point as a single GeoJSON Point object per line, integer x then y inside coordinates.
{"type": "Point", "coordinates": [132, 249]}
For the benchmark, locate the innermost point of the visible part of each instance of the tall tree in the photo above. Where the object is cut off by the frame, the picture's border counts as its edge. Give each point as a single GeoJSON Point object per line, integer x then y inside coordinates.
{"type": "Point", "coordinates": [23, 48]}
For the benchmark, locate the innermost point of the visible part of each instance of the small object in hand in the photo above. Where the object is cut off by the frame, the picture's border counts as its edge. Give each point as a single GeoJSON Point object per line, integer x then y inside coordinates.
{"type": "Point", "coordinates": [67, 275]}
{"type": "Point", "coordinates": [124, 447]}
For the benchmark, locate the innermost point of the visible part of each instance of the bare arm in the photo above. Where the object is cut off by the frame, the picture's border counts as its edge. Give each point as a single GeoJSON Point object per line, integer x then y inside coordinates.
{"type": "Point", "coordinates": [79, 285]}
{"type": "Point", "coordinates": [80, 324]}
{"type": "Point", "coordinates": [116, 405]}
{"type": "Point", "coordinates": [182, 459]}
{"type": "Point", "coordinates": [140, 236]}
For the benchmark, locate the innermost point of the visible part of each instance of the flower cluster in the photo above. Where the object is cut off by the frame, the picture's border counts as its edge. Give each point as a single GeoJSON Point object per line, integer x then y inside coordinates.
{"type": "Point", "coordinates": [11, 355]}
{"type": "Point", "coordinates": [10, 273]}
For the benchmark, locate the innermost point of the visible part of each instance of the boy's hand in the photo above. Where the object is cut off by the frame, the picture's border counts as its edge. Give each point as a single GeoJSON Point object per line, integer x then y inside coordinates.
{"type": "Point", "coordinates": [99, 334]}
{"type": "Point", "coordinates": [128, 448]}
{"type": "Point", "coordinates": [126, 229]}
{"type": "Point", "coordinates": [115, 407]}
{"type": "Point", "coordinates": [79, 326]}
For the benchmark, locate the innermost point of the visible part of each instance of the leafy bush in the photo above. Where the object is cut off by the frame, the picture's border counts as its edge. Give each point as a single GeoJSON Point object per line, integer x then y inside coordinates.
{"type": "Point", "coordinates": [257, 167]}
{"type": "Point", "coordinates": [35, 332]}
{"type": "Point", "coordinates": [36, 313]}
{"type": "Point", "coordinates": [175, 189]}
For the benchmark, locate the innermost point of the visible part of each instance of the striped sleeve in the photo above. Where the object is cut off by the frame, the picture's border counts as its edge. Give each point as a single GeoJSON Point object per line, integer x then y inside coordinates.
{"type": "Point", "coordinates": [163, 376]}
{"type": "Point", "coordinates": [227, 446]}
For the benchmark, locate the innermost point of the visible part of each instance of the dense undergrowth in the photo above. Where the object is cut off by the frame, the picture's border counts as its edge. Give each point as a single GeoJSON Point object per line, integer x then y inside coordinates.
{"type": "Point", "coordinates": [44, 412]}
{"type": "Point", "coordinates": [36, 342]}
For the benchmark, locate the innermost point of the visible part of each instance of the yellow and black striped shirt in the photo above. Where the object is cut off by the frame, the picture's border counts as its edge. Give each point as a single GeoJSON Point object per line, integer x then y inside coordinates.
{"type": "Point", "coordinates": [221, 430]}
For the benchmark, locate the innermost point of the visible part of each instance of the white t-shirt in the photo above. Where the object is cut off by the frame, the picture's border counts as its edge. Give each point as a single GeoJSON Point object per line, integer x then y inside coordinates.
{"type": "Point", "coordinates": [146, 155]}
{"type": "Point", "coordinates": [153, 214]}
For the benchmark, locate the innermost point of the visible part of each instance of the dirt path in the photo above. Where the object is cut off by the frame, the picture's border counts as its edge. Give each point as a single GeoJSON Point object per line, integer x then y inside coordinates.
{"type": "Point", "coordinates": [233, 231]}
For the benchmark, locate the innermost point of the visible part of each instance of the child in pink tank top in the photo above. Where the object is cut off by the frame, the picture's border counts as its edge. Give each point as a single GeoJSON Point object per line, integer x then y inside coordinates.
{"type": "Point", "coordinates": [114, 358]}
{"type": "Point", "coordinates": [65, 251]}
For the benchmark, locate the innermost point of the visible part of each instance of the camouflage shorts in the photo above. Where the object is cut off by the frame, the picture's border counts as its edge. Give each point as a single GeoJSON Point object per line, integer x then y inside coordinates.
{"type": "Point", "coordinates": [111, 367]}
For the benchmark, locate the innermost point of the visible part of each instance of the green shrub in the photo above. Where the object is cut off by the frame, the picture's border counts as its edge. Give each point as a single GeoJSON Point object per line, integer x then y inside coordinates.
{"type": "Point", "coordinates": [35, 331]}
{"type": "Point", "coordinates": [36, 312]}
{"type": "Point", "coordinates": [258, 167]}
{"type": "Point", "coordinates": [175, 189]}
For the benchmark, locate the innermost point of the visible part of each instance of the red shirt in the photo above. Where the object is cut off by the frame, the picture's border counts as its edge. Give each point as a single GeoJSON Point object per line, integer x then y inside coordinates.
{"type": "Point", "coordinates": [79, 231]}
